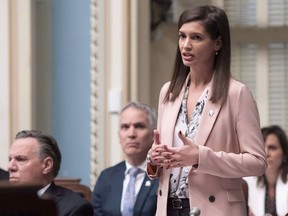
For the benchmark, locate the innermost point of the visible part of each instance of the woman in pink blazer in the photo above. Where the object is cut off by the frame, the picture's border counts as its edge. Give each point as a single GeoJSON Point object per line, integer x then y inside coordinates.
{"type": "Point", "coordinates": [208, 135]}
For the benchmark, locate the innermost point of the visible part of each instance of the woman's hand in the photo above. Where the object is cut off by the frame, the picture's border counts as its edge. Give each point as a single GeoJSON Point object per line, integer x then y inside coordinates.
{"type": "Point", "coordinates": [170, 157]}
{"type": "Point", "coordinates": [153, 153]}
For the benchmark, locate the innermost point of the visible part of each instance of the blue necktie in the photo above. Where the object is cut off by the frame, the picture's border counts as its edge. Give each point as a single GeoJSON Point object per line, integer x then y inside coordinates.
{"type": "Point", "coordinates": [129, 197]}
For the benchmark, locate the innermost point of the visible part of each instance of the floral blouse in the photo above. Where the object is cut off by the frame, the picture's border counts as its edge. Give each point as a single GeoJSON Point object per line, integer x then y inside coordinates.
{"type": "Point", "coordinates": [179, 176]}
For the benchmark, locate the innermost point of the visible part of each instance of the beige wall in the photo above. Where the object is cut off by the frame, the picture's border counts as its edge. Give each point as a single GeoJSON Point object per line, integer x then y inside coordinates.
{"type": "Point", "coordinates": [16, 71]}
{"type": "Point", "coordinates": [163, 49]}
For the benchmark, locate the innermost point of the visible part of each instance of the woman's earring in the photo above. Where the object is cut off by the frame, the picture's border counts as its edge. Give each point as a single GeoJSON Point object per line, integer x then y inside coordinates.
{"type": "Point", "coordinates": [216, 52]}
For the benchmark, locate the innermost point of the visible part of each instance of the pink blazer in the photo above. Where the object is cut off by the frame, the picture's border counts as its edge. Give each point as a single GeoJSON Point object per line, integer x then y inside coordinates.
{"type": "Point", "coordinates": [230, 147]}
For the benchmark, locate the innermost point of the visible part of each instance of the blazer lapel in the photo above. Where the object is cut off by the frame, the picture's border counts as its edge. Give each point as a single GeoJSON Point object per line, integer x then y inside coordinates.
{"type": "Point", "coordinates": [54, 192]}
{"type": "Point", "coordinates": [116, 189]}
{"type": "Point", "coordinates": [172, 114]}
{"type": "Point", "coordinates": [208, 118]}
{"type": "Point", "coordinates": [146, 186]}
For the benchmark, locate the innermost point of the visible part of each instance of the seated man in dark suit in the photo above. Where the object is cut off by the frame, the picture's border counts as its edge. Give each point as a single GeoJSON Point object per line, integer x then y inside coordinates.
{"type": "Point", "coordinates": [35, 159]}
{"type": "Point", "coordinates": [137, 122]}
{"type": "Point", "coordinates": [4, 175]}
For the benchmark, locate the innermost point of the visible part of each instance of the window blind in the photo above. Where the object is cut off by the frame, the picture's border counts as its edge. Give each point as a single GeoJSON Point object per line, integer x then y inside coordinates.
{"type": "Point", "coordinates": [244, 57]}
{"type": "Point", "coordinates": [278, 84]}
{"type": "Point", "coordinates": [278, 12]}
{"type": "Point", "coordinates": [241, 12]}
{"type": "Point", "coordinates": [243, 65]}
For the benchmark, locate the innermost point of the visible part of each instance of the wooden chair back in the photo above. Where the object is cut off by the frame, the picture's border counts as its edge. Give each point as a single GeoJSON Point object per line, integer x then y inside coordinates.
{"type": "Point", "coordinates": [24, 201]}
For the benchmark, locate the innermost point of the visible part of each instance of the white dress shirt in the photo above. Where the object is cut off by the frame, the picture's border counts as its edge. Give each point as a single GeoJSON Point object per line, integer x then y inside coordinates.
{"type": "Point", "coordinates": [42, 191]}
{"type": "Point", "coordinates": [139, 179]}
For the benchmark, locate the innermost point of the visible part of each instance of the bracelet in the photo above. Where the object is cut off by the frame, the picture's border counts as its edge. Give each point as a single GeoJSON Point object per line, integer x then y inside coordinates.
{"type": "Point", "coordinates": [149, 160]}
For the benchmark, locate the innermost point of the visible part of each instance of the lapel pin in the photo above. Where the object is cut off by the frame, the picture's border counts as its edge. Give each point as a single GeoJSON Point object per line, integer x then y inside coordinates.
{"type": "Point", "coordinates": [211, 113]}
{"type": "Point", "coordinates": [148, 183]}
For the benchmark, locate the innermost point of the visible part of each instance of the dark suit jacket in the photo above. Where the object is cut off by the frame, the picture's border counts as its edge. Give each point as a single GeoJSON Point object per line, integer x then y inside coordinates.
{"type": "Point", "coordinates": [4, 175]}
{"type": "Point", "coordinates": [69, 203]}
{"type": "Point", "coordinates": [106, 199]}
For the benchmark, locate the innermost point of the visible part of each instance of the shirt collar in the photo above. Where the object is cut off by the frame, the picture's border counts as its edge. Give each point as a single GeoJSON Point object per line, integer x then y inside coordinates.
{"type": "Point", "coordinates": [142, 166]}
{"type": "Point", "coordinates": [42, 191]}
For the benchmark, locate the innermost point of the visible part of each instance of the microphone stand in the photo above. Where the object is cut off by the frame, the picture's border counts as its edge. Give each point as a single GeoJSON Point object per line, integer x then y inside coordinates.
{"type": "Point", "coordinates": [194, 211]}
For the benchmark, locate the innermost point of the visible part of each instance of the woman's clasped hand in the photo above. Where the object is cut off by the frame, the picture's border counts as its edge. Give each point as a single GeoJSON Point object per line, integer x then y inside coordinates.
{"type": "Point", "coordinates": [170, 157]}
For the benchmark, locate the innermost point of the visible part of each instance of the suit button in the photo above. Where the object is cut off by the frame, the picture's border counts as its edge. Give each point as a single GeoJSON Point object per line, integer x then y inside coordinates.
{"type": "Point", "coordinates": [160, 192]}
{"type": "Point", "coordinates": [212, 198]}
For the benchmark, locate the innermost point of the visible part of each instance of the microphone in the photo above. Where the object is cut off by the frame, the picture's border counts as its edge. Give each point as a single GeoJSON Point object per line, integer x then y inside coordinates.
{"type": "Point", "coordinates": [194, 211]}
